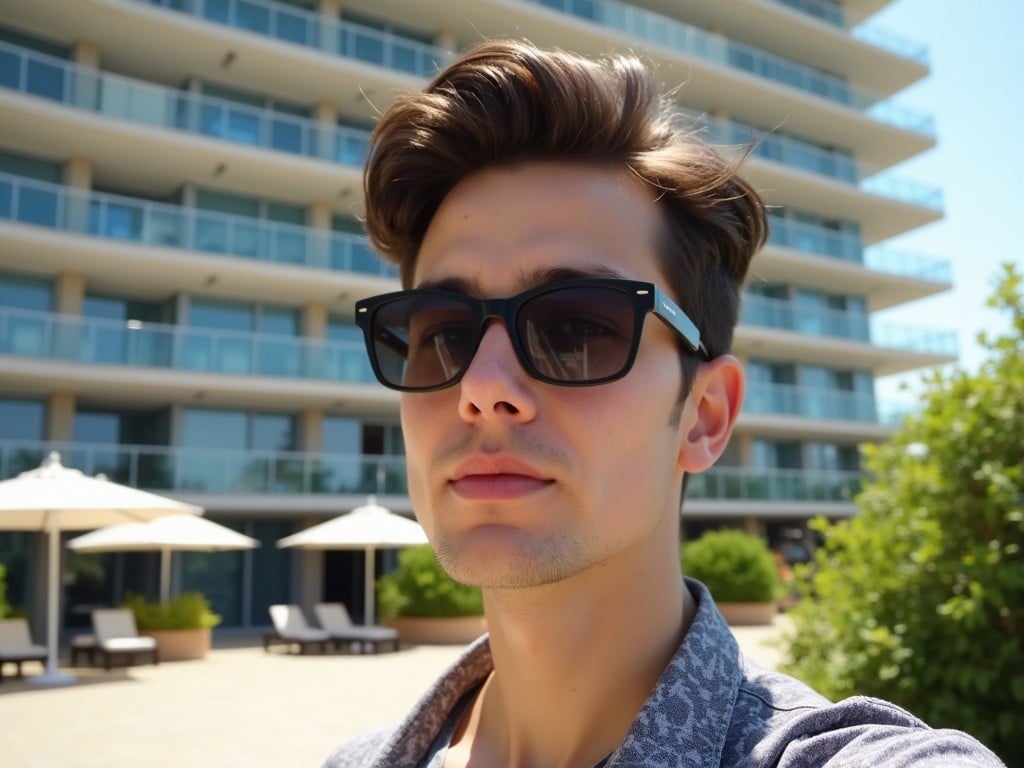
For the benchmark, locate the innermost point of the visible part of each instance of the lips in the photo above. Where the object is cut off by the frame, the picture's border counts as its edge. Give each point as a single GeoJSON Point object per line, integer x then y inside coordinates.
{"type": "Point", "coordinates": [483, 478]}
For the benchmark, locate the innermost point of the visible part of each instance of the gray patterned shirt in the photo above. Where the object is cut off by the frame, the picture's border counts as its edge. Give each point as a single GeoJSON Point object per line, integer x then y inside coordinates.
{"type": "Point", "coordinates": [712, 707]}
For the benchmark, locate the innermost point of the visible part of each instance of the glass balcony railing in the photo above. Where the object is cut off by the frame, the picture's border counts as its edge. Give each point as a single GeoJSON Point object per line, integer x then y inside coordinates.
{"type": "Point", "coordinates": [845, 246]}
{"type": "Point", "coordinates": [137, 101]}
{"type": "Point", "coordinates": [888, 41]}
{"type": "Point", "coordinates": [123, 218]}
{"type": "Point", "coordinates": [313, 30]}
{"type": "Point", "coordinates": [819, 9]}
{"type": "Point", "coordinates": [74, 338]}
{"type": "Point", "coordinates": [765, 398]}
{"type": "Point", "coordinates": [734, 483]}
{"type": "Point", "coordinates": [832, 13]}
{"type": "Point", "coordinates": [808, 157]}
{"type": "Point", "coordinates": [661, 30]}
{"type": "Point", "coordinates": [787, 316]}
{"type": "Point", "coordinates": [908, 264]}
{"type": "Point", "coordinates": [201, 470]}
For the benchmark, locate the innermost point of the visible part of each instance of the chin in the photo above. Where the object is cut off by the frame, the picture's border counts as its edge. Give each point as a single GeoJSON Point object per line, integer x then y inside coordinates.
{"type": "Point", "coordinates": [502, 558]}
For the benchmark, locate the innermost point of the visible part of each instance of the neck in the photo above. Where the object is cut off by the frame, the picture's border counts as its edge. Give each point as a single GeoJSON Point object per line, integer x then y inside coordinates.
{"type": "Point", "coordinates": [574, 662]}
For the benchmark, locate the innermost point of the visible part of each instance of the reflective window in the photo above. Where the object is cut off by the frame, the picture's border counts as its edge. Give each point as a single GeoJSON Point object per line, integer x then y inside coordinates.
{"type": "Point", "coordinates": [341, 435]}
{"type": "Point", "coordinates": [234, 451]}
{"type": "Point", "coordinates": [97, 427]}
{"type": "Point", "coordinates": [20, 292]}
{"type": "Point", "coordinates": [22, 419]}
{"type": "Point", "coordinates": [272, 432]}
{"type": "Point", "coordinates": [222, 315]}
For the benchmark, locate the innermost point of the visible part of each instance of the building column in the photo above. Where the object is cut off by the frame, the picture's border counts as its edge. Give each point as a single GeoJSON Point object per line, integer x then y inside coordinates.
{"type": "Point", "coordinates": [318, 219]}
{"type": "Point", "coordinates": [330, 12]}
{"type": "Point", "coordinates": [60, 417]}
{"type": "Point", "coordinates": [325, 114]}
{"type": "Point", "coordinates": [311, 430]}
{"type": "Point", "coordinates": [77, 175]}
{"type": "Point", "coordinates": [445, 38]}
{"type": "Point", "coordinates": [85, 85]}
{"type": "Point", "coordinates": [69, 297]}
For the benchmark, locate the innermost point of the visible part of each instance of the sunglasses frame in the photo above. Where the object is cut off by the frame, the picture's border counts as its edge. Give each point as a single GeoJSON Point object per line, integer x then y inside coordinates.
{"type": "Point", "coordinates": [646, 297]}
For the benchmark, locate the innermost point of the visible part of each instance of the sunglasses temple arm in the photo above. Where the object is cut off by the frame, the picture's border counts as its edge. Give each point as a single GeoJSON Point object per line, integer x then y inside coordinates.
{"type": "Point", "coordinates": [672, 314]}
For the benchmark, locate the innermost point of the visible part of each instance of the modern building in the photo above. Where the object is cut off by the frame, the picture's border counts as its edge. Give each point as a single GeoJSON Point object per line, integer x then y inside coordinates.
{"type": "Point", "coordinates": [180, 250]}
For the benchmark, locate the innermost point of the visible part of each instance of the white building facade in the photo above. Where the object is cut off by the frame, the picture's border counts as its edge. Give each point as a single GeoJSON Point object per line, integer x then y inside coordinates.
{"type": "Point", "coordinates": [180, 252]}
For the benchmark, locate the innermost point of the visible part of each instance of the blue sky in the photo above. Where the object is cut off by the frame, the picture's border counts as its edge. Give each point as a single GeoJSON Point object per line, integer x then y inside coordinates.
{"type": "Point", "coordinates": [976, 94]}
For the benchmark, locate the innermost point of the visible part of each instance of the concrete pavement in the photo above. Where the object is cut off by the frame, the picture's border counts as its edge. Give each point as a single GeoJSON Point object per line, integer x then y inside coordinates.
{"type": "Point", "coordinates": [239, 708]}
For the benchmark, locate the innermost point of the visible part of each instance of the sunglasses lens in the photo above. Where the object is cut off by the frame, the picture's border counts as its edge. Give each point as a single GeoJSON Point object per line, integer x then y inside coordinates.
{"type": "Point", "coordinates": [422, 342]}
{"type": "Point", "coordinates": [579, 334]}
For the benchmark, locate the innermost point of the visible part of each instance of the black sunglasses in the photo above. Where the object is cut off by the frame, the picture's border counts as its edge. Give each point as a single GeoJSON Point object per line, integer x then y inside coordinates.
{"type": "Point", "coordinates": [573, 333]}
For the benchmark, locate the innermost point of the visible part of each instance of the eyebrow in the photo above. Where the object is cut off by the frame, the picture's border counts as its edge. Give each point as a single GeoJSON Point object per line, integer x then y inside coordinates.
{"type": "Point", "coordinates": [526, 280]}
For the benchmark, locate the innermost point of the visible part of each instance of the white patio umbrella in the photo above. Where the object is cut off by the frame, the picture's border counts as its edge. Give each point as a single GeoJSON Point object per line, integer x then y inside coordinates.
{"type": "Point", "coordinates": [369, 527]}
{"type": "Point", "coordinates": [164, 535]}
{"type": "Point", "coordinates": [52, 498]}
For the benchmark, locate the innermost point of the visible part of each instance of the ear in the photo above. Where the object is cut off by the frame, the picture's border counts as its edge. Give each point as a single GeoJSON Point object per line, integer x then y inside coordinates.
{"type": "Point", "coordinates": [710, 413]}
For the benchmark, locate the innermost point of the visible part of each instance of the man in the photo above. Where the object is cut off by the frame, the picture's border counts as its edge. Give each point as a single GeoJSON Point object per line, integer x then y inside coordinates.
{"type": "Point", "coordinates": [541, 207]}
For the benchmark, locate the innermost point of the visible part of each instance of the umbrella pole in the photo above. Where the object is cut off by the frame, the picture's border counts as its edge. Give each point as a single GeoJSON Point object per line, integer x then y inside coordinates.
{"type": "Point", "coordinates": [165, 576]}
{"type": "Point", "coordinates": [52, 674]}
{"type": "Point", "coordinates": [369, 596]}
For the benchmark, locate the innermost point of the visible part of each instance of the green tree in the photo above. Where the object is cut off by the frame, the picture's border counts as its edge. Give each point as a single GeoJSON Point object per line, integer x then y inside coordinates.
{"type": "Point", "coordinates": [919, 598]}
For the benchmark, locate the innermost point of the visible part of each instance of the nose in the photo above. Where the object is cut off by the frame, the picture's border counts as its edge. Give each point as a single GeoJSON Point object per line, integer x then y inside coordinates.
{"type": "Point", "coordinates": [495, 386]}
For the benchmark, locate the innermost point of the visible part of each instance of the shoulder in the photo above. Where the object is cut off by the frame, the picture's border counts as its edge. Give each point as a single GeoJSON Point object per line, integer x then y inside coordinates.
{"type": "Point", "coordinates": [361, 750]}
{"type": "Point", "coordinates": [779, 721]}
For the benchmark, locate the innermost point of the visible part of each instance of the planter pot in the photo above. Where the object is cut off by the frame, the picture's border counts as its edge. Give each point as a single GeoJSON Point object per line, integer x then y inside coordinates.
{"type": "Point", "coordinates": [456, 630]}
{"type": "Point", "coordinates": [180, 644]}
{"type": "Point", "coordinates": [748, 614]}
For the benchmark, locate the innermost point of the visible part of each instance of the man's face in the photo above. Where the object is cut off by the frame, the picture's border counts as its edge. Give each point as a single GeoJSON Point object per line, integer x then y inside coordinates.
{"type": "Point", "coordinates": [517, 482]}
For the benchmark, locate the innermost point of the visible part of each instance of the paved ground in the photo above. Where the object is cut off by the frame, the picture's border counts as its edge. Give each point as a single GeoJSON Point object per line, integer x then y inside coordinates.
{"type": "Point", "coordinates": [240, 707]}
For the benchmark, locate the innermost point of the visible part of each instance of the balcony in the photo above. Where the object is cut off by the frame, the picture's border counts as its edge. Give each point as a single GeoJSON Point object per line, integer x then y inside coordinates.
{"type": "Point", "coordinates": [77, 339]}
{"type": "Point", "coordinates": [810, 403]}
{"type": "Point", "coordinates": [669, 33]}
{"type": "Point", "coordinates": [313, 30]}
{"type": "Point", "coordinates": [136, 101]}
{"type": "Point", "coordinates": [833, 13]}
{"type": "Point", "coordinates": [847, 247]}
{"type": "Point", "coordinates": [787, 316]}
{"type": "Point", "coordinates": [197, 470]}
{"type": "Point", "coordinates": [819, 9]}
{"type": "Point", "coordinates": [735, 483]}
{"type": "Point", "coordinates": [835, 166]}
{"type": "Point", "coordinates": [117, 217]}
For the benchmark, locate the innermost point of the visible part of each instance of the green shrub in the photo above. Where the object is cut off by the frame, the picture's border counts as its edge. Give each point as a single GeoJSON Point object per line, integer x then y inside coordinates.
{"type": "Point", "coordinates": [919, 598]}
{"type": "Point", "coordinates": [189, 610]}
{"type": "Point", "coordinates": [420, 587]}
{"type": "Point", "coordinates": [736, 566]}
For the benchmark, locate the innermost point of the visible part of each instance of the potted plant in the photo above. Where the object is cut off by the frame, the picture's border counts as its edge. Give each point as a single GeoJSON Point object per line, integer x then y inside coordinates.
{"type": "Point", "coordinates": [739, 570]}
{"type": "Point", "coordinates": [425, 604]}
{"type": "Point", "coordinates": [181, 626]}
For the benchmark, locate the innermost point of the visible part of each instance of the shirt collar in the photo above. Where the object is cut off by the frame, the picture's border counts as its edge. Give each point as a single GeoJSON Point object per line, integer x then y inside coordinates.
{"type": "Point", "coordinates": [683, 722]}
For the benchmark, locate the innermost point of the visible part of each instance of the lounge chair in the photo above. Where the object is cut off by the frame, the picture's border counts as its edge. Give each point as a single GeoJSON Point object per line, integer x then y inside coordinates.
{"type": "Point", "coordinates": [117, 638]}
{"type": "Point", "coordinates": [16, 645]}
{"type": "Point", "coordinates": [334, 618]}
{"type": "Point", "coordinates": [293, 631]}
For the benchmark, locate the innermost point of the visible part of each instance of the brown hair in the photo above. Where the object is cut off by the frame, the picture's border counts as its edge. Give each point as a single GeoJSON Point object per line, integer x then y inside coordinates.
{"type": "Point", "coordinates": [507, 102]}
